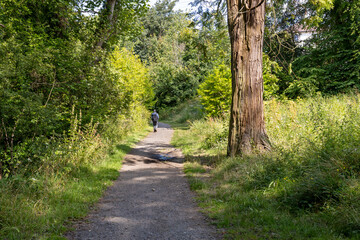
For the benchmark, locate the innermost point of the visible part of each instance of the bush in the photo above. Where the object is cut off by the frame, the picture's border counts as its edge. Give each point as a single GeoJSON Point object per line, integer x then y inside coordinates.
{"type": "Point", "coordinates": [215, 91]}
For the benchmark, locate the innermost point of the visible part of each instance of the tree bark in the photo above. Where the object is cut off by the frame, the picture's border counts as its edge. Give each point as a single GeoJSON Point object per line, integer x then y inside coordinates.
{"type": "Point", "coordinates": [246, 28]}
{"type": "Point", "coordinates": [108, 22]}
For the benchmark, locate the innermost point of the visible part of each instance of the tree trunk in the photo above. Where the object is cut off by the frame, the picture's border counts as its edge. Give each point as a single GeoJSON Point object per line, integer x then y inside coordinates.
{"type": "Point", "coordinates": [246, 28]}
{"type": "Point", "coordinates": [107, 23]}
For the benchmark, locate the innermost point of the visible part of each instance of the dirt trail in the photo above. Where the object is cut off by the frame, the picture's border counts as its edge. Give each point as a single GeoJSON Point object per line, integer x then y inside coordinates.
{"type": "Point", "coordinates": [150, 200]}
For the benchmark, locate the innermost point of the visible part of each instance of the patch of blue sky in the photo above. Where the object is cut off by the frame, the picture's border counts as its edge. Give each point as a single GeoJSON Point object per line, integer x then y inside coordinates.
{"type": "Point", "coordinates": [183, 5]}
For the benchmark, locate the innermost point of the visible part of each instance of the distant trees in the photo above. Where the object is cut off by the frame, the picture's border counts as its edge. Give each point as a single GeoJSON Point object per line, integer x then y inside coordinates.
{"type": "Point", "coordinates": [286, 20]}
{"type": "Point", "coordinates": [179, 52]}
{"type": "Point", "coordinates": [164, 45]}
{"type": "Point", "coordinates": [331, 60]}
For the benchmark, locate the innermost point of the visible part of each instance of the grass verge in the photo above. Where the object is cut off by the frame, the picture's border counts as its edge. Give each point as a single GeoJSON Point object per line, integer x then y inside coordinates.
{"type": "Point", "coordinates": [308, 187]}
{"type": "Point", "coordinates": [43, 206]}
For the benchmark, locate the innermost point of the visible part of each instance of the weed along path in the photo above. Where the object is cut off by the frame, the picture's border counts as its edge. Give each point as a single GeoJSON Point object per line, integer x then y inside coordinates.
{"type": "Point", "coordinates": [150, 200]}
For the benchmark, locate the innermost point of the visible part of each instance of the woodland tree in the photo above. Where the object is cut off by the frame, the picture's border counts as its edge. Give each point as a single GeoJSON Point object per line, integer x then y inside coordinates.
{"type": "Point", "coordinates": [246, 28]}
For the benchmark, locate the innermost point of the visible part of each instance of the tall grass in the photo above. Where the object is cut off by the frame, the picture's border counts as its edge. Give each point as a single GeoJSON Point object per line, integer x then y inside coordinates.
{"type": "Point", "coordinates": [40, 203]}
{"type": "Point", "coordinates": [191, 109]}
{"type": "Point", "coordinates": [308, 187]}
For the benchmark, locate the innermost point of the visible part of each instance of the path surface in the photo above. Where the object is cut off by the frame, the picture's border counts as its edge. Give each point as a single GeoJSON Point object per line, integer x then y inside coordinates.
{"type": "Point", "coordinates": [150, 200]}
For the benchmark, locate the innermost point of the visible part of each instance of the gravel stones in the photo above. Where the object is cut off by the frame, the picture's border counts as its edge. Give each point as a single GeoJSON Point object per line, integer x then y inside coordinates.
{"type": "Point", "coordinates": [150, 200]}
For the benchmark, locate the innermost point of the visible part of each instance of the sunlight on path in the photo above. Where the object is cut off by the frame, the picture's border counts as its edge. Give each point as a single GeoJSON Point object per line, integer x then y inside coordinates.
{"type": "Point", "coordinates": [150, 200]}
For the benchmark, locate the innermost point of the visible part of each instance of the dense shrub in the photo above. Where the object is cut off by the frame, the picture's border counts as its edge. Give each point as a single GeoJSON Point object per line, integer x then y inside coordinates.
{"type": "Point", "coordinates": [34, 125]}
{"type": "Point", "coordinates": [215, 91]}
{"type": "Point", "coordinates": [54, 68]}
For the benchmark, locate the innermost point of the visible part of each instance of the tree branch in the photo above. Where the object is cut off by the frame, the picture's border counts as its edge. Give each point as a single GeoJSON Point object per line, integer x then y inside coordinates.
{"type": "Point", "coordinates": [1, 25]}
{"type": "Point", "coordinates": [218, 6]}
{"type": "Point", "coordinates": [249, 9]}
{"type": "Point", "coordinates": [52, 88]}
{"type": "Point", "coordinates": [6, 135]}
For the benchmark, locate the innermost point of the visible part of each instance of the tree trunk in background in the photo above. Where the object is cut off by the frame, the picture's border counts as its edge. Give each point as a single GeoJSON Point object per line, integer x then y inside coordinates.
{"type": "Point", "coordinates": [106, 28]}
{"type": "Point", "coordinates": [246, 28]}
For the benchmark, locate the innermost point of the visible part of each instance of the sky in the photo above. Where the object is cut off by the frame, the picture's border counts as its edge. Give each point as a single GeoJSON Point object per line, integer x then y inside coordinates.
{"type": "Point", "coordinates": [180, 5]}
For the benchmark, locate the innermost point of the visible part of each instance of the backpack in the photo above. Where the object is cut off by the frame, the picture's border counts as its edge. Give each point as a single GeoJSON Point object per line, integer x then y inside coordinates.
{"type": "Point", "coordinates": [154, 117]}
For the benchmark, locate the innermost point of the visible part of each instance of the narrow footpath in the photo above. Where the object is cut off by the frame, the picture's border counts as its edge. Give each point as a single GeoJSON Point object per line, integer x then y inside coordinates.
{"type": "Point", "coordinates": [150, 200]}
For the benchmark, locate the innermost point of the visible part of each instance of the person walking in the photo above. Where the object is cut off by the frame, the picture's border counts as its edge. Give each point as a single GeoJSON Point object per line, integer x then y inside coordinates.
{"type": "Point", "coordinates": [155, 119]}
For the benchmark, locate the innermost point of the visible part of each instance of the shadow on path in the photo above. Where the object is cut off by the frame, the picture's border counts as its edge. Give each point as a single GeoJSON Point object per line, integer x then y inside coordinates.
{"type": "Point", "coordinates": [150, 200]}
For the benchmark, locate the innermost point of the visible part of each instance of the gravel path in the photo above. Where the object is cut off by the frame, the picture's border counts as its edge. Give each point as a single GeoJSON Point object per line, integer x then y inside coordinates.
{"type": "Point", "coordinates": [150, 200]}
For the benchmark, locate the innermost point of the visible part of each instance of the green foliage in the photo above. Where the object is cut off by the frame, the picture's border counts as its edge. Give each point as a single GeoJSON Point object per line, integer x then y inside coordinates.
{"type": "Point", "coordinates": [132, 78]}
{"type": "Point", "coordinates": [270, 70]}
{"type": "Point", "coordinates": [172, 84]}
{"type": "Point", "coordinates": [310, 177]}
{"type": "Point", "coordinates": [49, 67]}
{"type": "Point", "coordinates": [173, 81]}
{"type": "Point", "coordinates": [215, 91]}
{"type": "Point", "coordinates": [319, 6]}
{"type": "Point", "coordinates": [328, 62]}
{"type": "Point", "coordinates": [332, 59]}
{"type": "Point", "coordinates": [189, 110]}
{"type": "Point", "coordinates": [179, 53]}
{"type": "Point", "coordinates": [304, 86]}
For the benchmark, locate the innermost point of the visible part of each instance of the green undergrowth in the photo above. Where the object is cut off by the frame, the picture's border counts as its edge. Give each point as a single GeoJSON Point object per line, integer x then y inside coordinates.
{"type": "Point", "coordinates": [44, 205]}
{"type": "Point", "coordinates": [178, 116]}
{"type": "Point", "coordinates": [307, 187]}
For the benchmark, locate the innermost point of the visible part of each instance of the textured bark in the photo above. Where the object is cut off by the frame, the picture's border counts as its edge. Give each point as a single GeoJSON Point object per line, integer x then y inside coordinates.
{"type": "Point", "coordinates": [246, 28]}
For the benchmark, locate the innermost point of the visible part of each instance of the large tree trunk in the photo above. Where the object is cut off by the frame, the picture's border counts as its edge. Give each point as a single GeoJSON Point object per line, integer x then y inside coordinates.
{"type": "Point", "coordinates": [246, 28]}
